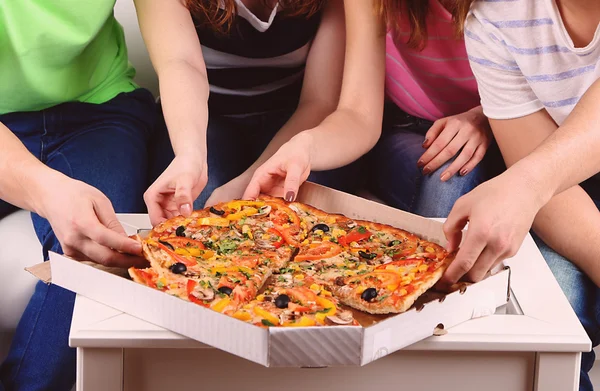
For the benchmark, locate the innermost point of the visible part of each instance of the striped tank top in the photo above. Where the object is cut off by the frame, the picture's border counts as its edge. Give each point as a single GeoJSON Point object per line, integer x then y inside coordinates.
{"type": "Point", "coordinates": [436, 82]}
{"type": "Point", "coordinates": [258, 65]}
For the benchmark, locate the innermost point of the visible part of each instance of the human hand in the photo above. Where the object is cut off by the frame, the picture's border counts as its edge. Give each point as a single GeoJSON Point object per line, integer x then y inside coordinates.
{"type": "Point", "coordinates": [175, 190]}
{"type": "Point", "coordinates": [284, 172]}
{"type": "Point", "coordinates": [500, 212]}
{"type": "Point", "coordinates": [86, 226]}
{"type": "Point", "coordinates": [469, 131]}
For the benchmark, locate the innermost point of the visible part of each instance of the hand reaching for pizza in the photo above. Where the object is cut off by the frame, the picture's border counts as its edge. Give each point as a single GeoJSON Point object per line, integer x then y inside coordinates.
{"type": "Point", "coordinates": [86, 226]}
{"type": "Point", "coordinates": [468, 133]}
{"type": "Point", "coordinates": [174, 192]}
{"type": "Point", "coordinates": [500, 212]}
{"type": "Point", "coordinates": [283, 173]}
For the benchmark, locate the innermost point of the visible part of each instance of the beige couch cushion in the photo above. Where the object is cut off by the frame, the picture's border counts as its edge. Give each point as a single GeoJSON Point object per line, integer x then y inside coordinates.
{"type": "Point", "coordinates": [20, 248]}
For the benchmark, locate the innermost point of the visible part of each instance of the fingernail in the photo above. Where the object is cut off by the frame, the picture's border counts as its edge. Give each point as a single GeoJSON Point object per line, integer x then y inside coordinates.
{"type": "Point", "coordinates": [137, 247]}
{"type": "Point", "coordinates": [289, 196]}
{"type": "Point", "coordinates": [425, 142]}
{"type": "Point", "coordinates": [464, 172]}
{"type": "Point", "coordinates": [426, 171]}
{"type": "Point", "coordinates": [445, 176]}
{"type": "Point", "coordinates": [186, 209]}
{"type": "Point", "coordinates": [420, 164]}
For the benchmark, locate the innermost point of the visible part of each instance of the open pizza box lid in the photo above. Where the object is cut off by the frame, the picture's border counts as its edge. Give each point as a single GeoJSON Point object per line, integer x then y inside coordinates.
{"type": "Point", "coordinates": [291, 347]}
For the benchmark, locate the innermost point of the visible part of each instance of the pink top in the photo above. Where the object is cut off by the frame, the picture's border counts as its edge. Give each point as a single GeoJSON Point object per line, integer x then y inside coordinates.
{"type": "Point", "coordinates": [436, 82]}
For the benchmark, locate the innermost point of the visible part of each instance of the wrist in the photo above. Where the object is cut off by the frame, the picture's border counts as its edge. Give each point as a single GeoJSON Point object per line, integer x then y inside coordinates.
{"type": "Point", "coordinates": [192, 156]}
{"type": "Point", "coordinates": [39, 185]}
{"type": "Point", "coordinates": [304, 142]}
{"type": "Point", "coordinates": [525, 176]}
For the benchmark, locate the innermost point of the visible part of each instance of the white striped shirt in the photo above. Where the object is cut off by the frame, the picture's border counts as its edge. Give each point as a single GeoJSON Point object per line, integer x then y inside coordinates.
{"type": "Point", "coordinates": [524, 59]}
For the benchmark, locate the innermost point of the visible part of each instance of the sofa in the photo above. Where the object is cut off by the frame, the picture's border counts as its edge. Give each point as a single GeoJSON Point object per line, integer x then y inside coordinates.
{"type": "Point", "coordinates": [20, 246]}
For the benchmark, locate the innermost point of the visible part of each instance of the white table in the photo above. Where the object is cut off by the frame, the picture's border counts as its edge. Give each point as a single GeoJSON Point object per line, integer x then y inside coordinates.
{"type": "Point", "coordinates": [534, 343]}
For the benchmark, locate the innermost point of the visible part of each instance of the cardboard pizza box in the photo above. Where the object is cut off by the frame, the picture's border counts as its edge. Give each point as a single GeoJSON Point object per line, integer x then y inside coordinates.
{"type": "Point", "coordinates": [292, 347]}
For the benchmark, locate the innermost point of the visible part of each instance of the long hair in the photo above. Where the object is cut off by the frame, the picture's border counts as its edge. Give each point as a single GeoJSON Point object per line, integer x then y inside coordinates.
{"type": "Point", "coordinates": [416, 12]}
{"type": "Point", "coordinates": [219, 14]}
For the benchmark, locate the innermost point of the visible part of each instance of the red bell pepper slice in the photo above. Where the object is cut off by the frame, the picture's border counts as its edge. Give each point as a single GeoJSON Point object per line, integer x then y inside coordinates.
{"type": "Point", "coordinates": [354, 236]}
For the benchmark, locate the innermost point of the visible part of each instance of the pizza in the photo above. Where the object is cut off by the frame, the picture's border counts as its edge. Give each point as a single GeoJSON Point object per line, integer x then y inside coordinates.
{"type": "Point", "coordinates": [273, 263]}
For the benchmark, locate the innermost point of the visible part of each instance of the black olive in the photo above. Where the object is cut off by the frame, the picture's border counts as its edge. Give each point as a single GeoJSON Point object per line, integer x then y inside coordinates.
{"type": "Point", "coordinates": [322, 227]}
{"type": "Point", "coordinates": [216, 211]}
{"type": "Point", "coordinates": [369, 294]}
{"type": "Point", "coordinates": [394, 243]}
{"type": "Point", "coordinates": [180, 231]}
{"type": "Point", "coordinates": [178, 268]}
{"type": "Point", "coordinates": [167, 244]}
{"type": "Point", "coordinates": [225, 290]}
{"type": "Point", "coordinates": [282, 301]}
{"type": "Point", "coordinates": [367, 255]}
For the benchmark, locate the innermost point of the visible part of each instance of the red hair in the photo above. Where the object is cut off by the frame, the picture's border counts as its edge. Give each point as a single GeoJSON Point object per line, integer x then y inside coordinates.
{"type": "Point", "coordinates": [416, 12]}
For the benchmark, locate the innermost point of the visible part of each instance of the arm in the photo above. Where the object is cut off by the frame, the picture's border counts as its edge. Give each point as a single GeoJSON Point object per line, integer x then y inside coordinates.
{"type": "Point", "coordinates": [353, 128]}
{"type": "Point", "coordinates": [320, 94]}
{"type": "Point", "coordinates": [82, 218]}
{"type": "Point", "coordinates": [176, 54]}
{"type": "Point", "coordinates": [322, 80]}
{"type": "Point", "coordinates": [570, 155]}
{"type": "Point", "coordinates": [569, 222]}
{"type": "Point", "coordinates": [502, 210]}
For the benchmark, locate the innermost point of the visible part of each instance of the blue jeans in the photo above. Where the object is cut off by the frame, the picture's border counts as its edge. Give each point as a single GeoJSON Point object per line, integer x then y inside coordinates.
{"type": "Point", "coordinates": [234, 144]}
{"type": "Point", "coordinates": [105, 146]}
{"type": "Point", "coordinates": [398, 181]}
{"type": "Point", "coordinates": [584, 297]}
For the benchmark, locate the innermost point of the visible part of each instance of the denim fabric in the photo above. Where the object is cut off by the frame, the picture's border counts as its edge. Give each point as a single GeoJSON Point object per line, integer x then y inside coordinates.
{"type": "Point", "coordinates": [398, 181]}
{"type": "Point", "coordinates": [234, 144]}
{"type": "Point", "coordinates": [583, 295]}
{"type": "Point", "coordinates": [105, 146]}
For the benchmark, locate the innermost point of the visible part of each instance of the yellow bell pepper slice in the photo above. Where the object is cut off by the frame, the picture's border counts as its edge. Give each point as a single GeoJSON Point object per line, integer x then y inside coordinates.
{"type": "Point", "coordinates": [303, 322]}
{"type": "Point", "coordinates": [207, 254]}
{"type": "Point", "coordinates": [239, 204]}
{"type": "Point", "coordinates": [222, 270]}
{"type": "Point", "coordinates": [242, 315]}
{"type": "Point", "coordinates": [220, 305]}
{"type": "Point", "coordinates": [213, 221]}
{"type": "Point", "coordinates": [266, 315]}
{"type": "Point", "coordinates": [182, 251]}
{"type": "Point", "coordinates": [327, 305]}
{"type": "Point", "coordinates": [241, 214]}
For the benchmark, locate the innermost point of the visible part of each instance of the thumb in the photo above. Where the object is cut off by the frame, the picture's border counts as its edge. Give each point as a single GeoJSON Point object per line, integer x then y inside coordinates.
{"type": "Point", "coordinates": [454, 224]}
{"type": "Point", "coordinates": [183, 195]}
{"type": "Point", "coordinates": [293, 180]}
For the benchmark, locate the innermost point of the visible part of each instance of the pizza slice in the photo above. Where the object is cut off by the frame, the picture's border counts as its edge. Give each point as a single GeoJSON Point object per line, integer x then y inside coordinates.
{"type": "Point", "coordinates": [392, 287]}
{"type": "Point", "coordinates": [295, 300]}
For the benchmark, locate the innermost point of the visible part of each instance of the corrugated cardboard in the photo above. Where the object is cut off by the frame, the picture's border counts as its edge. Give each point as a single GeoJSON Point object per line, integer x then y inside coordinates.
{"type": "Point", "coordinates": [291, 347]}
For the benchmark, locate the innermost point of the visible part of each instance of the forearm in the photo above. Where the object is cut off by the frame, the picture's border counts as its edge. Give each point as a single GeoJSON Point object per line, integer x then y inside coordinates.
{"type": "Point", "coordinates": [21, 174]}
{"type": "Point", "coordinates": [307, 116]}
{"type": "Point", "coordinates": [172, 41]}
{"type": "Point", "coordinates": [570, 155]}
{"type": "Point", "coordinates": [569, 225]}
{"type": "Point", "coordinates": [184, 98]}
{"type": "Point", "coordinates": [344, 132]}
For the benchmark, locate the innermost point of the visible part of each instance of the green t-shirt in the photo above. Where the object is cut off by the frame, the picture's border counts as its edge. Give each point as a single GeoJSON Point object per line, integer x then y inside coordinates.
{"type": "Point", "coordinates": [57, 51]}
